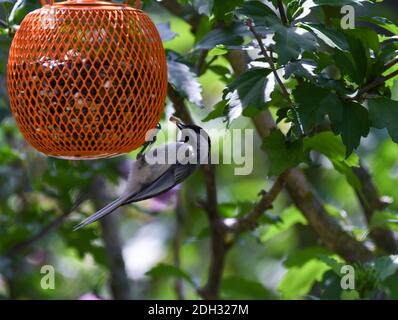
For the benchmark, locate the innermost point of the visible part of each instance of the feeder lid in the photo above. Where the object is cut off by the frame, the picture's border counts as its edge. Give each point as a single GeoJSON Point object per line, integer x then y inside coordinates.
{"type": "Point", "coordinates": [89, 3]}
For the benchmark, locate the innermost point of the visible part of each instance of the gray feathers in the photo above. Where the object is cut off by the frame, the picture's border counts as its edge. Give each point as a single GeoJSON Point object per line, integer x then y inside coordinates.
{"type": "Point", "coordinates": [149, 178]}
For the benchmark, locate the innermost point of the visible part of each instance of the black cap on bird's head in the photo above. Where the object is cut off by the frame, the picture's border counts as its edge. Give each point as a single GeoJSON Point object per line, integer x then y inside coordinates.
{"type": "Point", "coordinates": [181, 125]}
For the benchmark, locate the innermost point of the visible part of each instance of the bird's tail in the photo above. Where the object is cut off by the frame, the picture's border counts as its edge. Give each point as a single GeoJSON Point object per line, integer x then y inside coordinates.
{"type": "Point", "coordinates": [101, 213]}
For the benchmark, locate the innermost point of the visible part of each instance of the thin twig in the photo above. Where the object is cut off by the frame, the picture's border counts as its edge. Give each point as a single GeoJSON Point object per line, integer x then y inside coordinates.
{"type": "Point", "coordinates": [3, 24]}
{"type": "Point", "coordinates": [274, 70]}
{"type": "Point", "coordinates": [25, 244]}
{"type": "Point", "coordinates": [249, 221]}
{"type": "Point", "coordinates": [282, 12]}
{"type": "Point", "coordinates": [390, 64]}
{"type": "Point", "coordinates": [374, 84]}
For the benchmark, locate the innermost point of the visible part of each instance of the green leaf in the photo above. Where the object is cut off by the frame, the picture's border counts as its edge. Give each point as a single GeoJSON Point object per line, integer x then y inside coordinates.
{"type": "Point", "coordinates": [289, 217]}
{"type": "Point", "coordinates": [282, 154]}
{"type": "Point", "coordinates": [314, 103]}
{"type": "Point", "coordinates": [298, 281]}
{"type": "Point", "coordinates": [163, 270]}
{"type": "Point", "coordinates": [314, 3]}
{"type": "Point", "coordinates": [291, 42]}
{"type": "Point", "coordinates": [259, 13]}
{"type": "Point", "coordinates": [185, 82]}
{"type": "Point", "coordinates": [385, 266]}
{"type": "Point", "coordinates": [302, 256]}
{"type": "Point", "coordinates": [252, 88]}
{"type": "Point", "coordinates": [222, 8]}
{"type": "Point", "coordinates": [383, 113]}
{"type": "Point", "coordinates": [296, 9]}
{"type": "Point", "coordinates": [332, 37]}
{"type": "Point", "coordinates": [302, 68]}
{"type": "Point", "coordinates": [235, 287]}
{"type": "Point", "coordinates": [333, 148]}
{"type": "Point", "coordinates": [333, 262]}
{"type": "Point", "coordinates": [384, 219]}
{"type": "Point", "coordinates": [230, 37]}
{"type": "Point", "coordinates": [355, 124]}
{"type": "Point", "coordinates": [383, 23]}
{"type": "Point", "coordinates": [219, 50]}
{"type": "Point", "coordinates": [219, 111]}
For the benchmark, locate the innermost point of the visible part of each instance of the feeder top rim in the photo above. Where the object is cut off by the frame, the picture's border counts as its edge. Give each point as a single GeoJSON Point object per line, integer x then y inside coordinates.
{"type": "Point", "coordinates": [90, 4]}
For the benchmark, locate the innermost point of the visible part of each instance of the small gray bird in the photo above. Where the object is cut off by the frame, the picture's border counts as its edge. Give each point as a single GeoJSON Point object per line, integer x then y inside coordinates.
{"type": "Point", "coordinates": [150, 177]}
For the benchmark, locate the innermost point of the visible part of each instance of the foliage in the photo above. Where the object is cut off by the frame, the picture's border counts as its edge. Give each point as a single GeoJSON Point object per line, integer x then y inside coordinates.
{"type": "Point", "coordinates": [333, 95]}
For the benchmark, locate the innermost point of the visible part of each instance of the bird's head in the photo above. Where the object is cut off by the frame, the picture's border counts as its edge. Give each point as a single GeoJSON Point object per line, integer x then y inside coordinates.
{"type": "Point", "coordinates": [195, 135]}
{"type": "Point", "coordinates": [181, 125]}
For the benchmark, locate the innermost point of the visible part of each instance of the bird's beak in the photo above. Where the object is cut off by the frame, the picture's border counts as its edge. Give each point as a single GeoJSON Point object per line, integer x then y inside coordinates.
{"type": "Point", "coordinates": [178, 122]}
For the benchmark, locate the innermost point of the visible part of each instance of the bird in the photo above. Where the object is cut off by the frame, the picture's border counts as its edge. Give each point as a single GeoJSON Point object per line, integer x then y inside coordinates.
{"type": "Point", "coordinates": [148, 178]}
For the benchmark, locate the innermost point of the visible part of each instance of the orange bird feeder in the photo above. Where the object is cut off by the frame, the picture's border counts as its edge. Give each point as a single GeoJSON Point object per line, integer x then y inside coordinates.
{"type": "Point", "coordinates": [86, 79]}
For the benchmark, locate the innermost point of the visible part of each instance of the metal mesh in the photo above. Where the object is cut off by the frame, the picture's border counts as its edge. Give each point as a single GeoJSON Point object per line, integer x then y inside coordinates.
{"type": "Point", "coordinates": [86, 81]}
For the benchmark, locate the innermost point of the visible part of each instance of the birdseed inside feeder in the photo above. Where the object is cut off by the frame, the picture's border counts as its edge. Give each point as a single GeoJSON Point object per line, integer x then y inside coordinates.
{"type": "Point", "coordinates": [86, 79]}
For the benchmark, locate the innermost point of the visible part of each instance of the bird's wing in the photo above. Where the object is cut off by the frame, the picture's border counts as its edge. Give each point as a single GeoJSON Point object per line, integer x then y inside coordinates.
{"type": "Point", "coordinates": [175, 175]}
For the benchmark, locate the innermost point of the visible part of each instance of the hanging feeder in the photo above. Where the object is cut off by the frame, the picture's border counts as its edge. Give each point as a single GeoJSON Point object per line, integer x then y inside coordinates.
{"type": "Point", "coordinates": [86, 79]}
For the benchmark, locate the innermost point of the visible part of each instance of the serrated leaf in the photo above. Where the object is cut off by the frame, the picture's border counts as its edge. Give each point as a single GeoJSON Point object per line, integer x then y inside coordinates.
{"type": "Point", "coordinates": [332, 37]}
{"type": "Point", "coordinates": [314, 103]}
{"type": "Point", "coordinates": [259, 13]}
{"type": "Point", "coordinates": [252, 88]}
{"type": "Point", "coordinates": [298, 281]}
{"type": "Point", "coordinates": [218, 112]}
{"type": "Point", "coordinates": [383, 113]}
{"type": "Point", "coordinates": [167, 270]}
{"type": "Point", "coordinates": [291, 42]}
{"type": "Point", "coordinates": [354, 125]}
{"type": "Point", "coordinates": [302, 68]}
{"type": "Point", "coordinates": [282, 154]}
{"type": "Point", "coordinates": [185, 82]}
{"type": "Point", "coordinates": [230, 37]}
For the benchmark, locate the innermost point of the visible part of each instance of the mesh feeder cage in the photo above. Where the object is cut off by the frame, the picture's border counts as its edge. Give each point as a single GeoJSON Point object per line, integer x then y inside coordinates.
{"type": "Point", "coordinates": [86, 79]}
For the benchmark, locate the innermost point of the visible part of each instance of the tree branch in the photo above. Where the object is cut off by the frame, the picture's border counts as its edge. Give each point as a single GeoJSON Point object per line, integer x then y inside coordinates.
{"type": "Point", "coordinates": [249, 221]}
{"type": "Point", "coordinates": [371, 202]}
{"type": "Point", "coordinates": [119, 282]}
{"type": "Point", "coordinates": [374, 84]}
{"type": "Point", "coordinates": [390, 64]}
{"type": "Point", "coordinates": [219, 247]}
{"type": "Point", "coordinates": [179, 215]}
